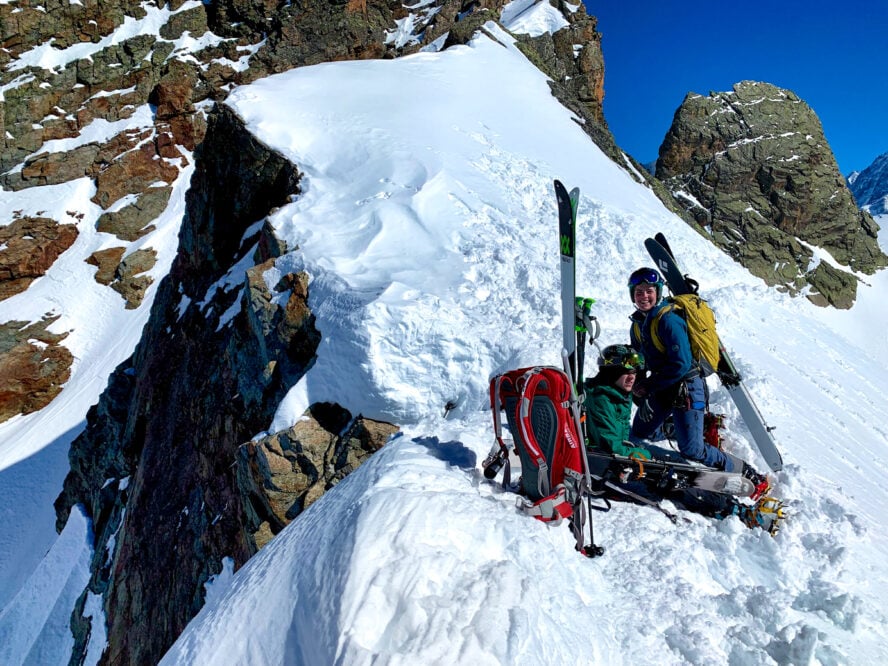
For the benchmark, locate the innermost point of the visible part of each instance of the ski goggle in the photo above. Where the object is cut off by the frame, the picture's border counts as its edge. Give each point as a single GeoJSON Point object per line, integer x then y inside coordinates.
{"type": "Point", "coordinates": [628, 361]}
{"type": "Point", "coordinates": [643, 276]}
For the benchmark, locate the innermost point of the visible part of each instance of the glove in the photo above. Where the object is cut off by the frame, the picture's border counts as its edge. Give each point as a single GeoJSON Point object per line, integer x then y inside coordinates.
{"type": "Point", "coordinates": [645, 411]}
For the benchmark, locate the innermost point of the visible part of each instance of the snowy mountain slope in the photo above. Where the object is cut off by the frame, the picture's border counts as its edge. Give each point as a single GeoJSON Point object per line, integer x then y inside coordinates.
{"type": "Point", "coordinates": [101, 334]}
{"type": "Point", "coordinates": [34, 450]}
{"type": "Point", "coordinates": [427, 225]}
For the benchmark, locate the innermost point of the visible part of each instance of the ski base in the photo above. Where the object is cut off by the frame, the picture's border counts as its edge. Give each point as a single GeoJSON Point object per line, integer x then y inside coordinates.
{"type": "Point", "coordinates": [669, 476]}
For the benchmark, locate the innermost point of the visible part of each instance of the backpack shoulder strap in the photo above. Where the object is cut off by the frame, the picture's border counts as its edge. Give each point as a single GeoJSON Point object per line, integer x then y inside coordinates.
{"type": "Point", "coordinates": [636, 331]}
{"type": "Point", "coordinates": [655, 325]}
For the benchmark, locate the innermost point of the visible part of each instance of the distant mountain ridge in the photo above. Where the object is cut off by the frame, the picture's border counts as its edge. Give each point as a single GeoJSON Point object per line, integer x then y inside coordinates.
{"type": "Point", "coordinates": [870, 186]}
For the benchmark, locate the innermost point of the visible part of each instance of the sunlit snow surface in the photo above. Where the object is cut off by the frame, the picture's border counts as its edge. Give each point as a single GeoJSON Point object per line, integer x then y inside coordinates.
{"type": "Point", "coordinates": [427, 226]}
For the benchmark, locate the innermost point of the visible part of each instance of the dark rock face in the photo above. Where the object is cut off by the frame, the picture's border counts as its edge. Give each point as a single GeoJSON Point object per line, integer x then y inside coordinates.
{"type": "Point", "coordinates": [753, 167]}
{"type": "Point", "coordinates": [167, 429]}
{"type": "Point", "coordinates": [870, 187]}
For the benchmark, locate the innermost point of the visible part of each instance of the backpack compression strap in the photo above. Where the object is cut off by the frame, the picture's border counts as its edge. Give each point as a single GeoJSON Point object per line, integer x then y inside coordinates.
{"type": "Point", "coordinates": [496, 405]}
{"type": "Point", "coordinates": [551, 509]}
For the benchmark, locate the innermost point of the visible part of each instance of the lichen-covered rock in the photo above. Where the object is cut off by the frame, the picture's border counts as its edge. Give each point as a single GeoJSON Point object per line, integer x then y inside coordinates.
{"type": "Point", "coordinates": [28, 247]}
{"type": "Point", "coordinates": [132, 171]}
{"type": "Point", "coordinates": [130, 280]}
{"type": "Point", "coordinates": [106, 261]}
{"type": "Point", "coordinates": [754, 168]}
{"type": "Point", "coordinates": [33, 366]}
{"type": "Point", "coordinates": [283, 473]}
{"type": "Point", "coordinates": [135, 220]}
{"type": "Point", "coordinates": [125, 276]}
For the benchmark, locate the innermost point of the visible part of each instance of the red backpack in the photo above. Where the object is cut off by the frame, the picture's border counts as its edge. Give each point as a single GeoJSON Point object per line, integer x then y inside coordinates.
{"type": "Point", "coordinates": [543, 415]}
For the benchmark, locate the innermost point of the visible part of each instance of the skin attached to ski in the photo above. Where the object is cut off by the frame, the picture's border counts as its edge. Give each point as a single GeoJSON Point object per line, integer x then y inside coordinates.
{"type": "Point", "coordinates": [756, 424]}
{"type": "Point", "coordinates": [727, 372]}
{"type": "Point", "coordinates": [726, 483]}
{"type": "Point", "coordinates": [670, 476]}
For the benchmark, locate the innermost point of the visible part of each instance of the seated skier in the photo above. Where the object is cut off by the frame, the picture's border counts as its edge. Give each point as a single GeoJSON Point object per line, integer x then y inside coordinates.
{"type": "Point", "coordinates": [674, 385]}
{"type": "Point", "coordinates": [608, 406]}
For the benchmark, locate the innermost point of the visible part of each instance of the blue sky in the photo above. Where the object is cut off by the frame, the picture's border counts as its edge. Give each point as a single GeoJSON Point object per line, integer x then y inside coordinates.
{"type": "Point", "coordinates": [833, 55]}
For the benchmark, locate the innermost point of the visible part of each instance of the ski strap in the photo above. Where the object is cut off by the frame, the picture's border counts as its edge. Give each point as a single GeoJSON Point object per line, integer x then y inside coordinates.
{"type": "Point", "coordinates": [638, 498]}
{"type": "Point", "coordinates": [497, 405]}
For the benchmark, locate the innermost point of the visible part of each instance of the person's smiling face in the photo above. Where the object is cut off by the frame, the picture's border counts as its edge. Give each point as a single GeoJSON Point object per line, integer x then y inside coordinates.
{"type": "Point", "coordinates": [645, 297]}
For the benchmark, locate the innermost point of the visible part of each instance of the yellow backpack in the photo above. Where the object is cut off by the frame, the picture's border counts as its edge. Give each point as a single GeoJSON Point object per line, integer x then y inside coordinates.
{"type": "Point", "coordinates": [703, 337]}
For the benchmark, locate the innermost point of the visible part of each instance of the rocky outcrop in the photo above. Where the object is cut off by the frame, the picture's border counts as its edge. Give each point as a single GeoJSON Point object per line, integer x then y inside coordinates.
{"type": "Point", "coordinates": [212, 366]}
{"type": "Point", "coordinates": [134, 220]}
{"type": "Point", "coordinates": [125, 276]}
{"type": "Point", "coordinates": [573, 60]}
{"type": "Point", "coordinates": [28, 247]}
{"type": "Point", "coordinates": [870, 186]}
{"type": "Point", "coordinates": [753, 167]}
{"type": "Point", "coordinates": [284, 473]}
{"type": "Point", "coordinates": [33, 366]}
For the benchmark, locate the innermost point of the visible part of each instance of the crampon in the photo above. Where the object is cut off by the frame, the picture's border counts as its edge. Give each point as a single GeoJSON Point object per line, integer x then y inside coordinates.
{"type": "Point", "coordinates": [767, 513]}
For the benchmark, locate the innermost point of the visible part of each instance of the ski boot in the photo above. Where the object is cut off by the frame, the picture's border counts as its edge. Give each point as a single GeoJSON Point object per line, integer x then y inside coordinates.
{"type": "Point", "coordinates": [761, 482]}
{"type": "Point", "coordinates": [767, 513]}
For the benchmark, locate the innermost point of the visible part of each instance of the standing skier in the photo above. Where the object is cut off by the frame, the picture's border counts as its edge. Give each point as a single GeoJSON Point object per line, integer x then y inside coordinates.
{"type": "Point", "coordinates": [674, 384]}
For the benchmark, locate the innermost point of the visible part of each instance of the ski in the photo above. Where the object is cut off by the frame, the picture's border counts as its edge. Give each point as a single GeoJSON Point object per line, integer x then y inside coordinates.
{"type": "Point", "coordinates": [567, 238]}
{"type": "Point", "coordinates": [679, 283]}
{"type": "Point", "coordinates": [661, 239]}
{"type": "Point", "coordinates": [669, 476]}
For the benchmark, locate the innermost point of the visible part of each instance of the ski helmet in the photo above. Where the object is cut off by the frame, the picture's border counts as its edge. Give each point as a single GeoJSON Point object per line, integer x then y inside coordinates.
{"type": "Point", "coordinates": [645, 275]}
{"type": "Point", "coordinates": [620, 356]}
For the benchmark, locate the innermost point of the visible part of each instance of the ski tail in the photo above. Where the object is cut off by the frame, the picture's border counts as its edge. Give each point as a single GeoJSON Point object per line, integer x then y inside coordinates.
{"type": "Point", "coordinates": [661, 239]}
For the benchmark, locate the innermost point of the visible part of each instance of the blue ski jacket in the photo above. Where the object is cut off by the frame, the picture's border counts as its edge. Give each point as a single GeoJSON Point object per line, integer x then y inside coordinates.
{"type": "Point", "coordinates": [677, 363]}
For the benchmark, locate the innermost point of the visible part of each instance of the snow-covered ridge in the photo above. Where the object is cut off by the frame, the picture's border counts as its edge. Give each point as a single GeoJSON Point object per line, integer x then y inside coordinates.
{"type": "Point", "coordinates": [443, 249]}
{"type": "Point", "coordinates": [426, 225]}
